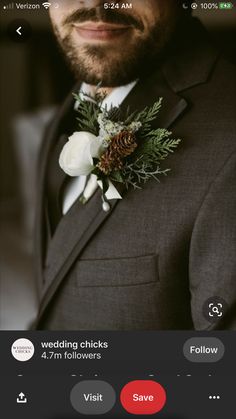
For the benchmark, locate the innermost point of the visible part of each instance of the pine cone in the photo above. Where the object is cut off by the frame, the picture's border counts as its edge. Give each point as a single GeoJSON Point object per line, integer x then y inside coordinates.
{"type": "Point", "coordinates": [121, 145]}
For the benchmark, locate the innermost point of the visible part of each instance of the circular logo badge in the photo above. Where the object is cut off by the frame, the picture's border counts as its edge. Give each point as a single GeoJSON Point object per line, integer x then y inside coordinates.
{"type": "Point", "coordinates": [22, 349]}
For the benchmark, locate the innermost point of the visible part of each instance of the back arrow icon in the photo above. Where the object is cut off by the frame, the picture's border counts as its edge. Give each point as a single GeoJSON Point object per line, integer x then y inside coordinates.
{"type": "Point", "coordinates": [18, 30]}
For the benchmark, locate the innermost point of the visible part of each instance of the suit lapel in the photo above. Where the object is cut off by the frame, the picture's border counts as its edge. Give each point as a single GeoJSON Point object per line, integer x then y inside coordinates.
{"type": "Point", "coordinates": [54, 130]}
{"type": "Point", "coordinates": [78, 226]}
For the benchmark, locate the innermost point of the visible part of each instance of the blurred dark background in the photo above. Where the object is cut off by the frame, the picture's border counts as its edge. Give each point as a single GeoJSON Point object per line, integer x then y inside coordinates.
{"type": "Point", "coordinates": [33, 76]}
{"type": "Point", "coordinates": [34, 80]}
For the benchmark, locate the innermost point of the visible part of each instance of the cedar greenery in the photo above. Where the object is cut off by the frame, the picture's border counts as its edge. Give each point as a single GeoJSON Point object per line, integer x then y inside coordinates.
{"type": "Point", "coordinates": [88, 111]}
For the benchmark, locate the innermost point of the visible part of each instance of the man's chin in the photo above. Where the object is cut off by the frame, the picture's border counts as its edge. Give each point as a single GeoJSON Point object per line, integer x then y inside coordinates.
{"type": "Point", "coordinates": [98, 68]}
{"type": "Point", "coordinates": [94, 66]}
{"type": "Point", "coordinates": [98, 63]}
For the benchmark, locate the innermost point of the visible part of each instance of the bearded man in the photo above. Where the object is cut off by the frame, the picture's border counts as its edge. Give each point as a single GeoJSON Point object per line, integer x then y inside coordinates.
{"type": "Point", "coordinates": [153, 259]}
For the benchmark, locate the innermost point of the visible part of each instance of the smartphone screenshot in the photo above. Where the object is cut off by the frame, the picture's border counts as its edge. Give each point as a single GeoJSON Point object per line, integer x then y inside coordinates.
{"type": "Point", "coordinates": [118, 209]}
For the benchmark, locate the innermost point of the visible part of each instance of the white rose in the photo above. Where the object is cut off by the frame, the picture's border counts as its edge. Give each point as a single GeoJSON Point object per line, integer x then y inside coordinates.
{"type": "Point", "coordinates": [76, 157]}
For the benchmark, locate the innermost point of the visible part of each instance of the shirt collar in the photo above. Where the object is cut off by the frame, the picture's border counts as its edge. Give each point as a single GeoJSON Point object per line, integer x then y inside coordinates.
{"type": "Point", "coordinates": [115, 98]}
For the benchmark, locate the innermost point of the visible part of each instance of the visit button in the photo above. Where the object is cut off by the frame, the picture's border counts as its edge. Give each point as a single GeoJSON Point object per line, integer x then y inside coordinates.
{"type": "Point", "coordinates": [93, 397]}
{"type": "Point", "coordinates": [143, 397]}
{"type": "Point", "coordinates": [204, 349]}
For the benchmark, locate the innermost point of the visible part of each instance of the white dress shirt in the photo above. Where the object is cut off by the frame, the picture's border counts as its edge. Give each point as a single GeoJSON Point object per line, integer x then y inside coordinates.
{"type": "Point", "coordinates": [76, 186]}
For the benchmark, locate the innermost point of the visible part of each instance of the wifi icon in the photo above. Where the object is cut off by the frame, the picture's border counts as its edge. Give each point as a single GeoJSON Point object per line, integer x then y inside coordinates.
{"type": "Point", "coordinates": [46, 5]}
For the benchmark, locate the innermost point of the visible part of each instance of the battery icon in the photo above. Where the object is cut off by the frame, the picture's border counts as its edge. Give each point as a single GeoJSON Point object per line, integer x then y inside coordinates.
{"type": "Point", "coordinates": [225, 5]}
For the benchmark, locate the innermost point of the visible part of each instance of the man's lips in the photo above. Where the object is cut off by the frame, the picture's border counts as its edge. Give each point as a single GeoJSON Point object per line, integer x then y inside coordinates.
{"type": "Point", "coordinates": [100, 31]}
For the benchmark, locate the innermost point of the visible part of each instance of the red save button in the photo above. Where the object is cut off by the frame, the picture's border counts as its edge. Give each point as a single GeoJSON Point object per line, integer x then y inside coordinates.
{"type": "Point", "coordinates": [143, 397]}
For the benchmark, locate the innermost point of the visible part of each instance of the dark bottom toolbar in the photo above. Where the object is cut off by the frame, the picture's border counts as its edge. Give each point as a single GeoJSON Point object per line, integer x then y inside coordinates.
{"type": "Point", "coordinates": [75, 396]}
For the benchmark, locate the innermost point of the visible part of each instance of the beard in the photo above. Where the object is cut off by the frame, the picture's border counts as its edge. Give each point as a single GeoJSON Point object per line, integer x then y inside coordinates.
{"type": "Point", "coordinates": [111, 67]}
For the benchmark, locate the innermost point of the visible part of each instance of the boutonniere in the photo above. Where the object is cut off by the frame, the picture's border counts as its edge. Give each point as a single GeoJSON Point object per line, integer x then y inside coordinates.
{"type": "Point", "coordinates": [112, 146]}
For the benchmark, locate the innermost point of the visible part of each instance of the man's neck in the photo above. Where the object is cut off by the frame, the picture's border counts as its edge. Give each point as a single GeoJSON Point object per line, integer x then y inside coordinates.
{"type": "Point", "coordinates": [103, 91]}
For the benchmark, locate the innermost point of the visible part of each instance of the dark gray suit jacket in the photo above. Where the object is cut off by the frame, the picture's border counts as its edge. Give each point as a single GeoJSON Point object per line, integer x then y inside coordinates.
{"type": "Point", "coordinates": [161, 252]}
